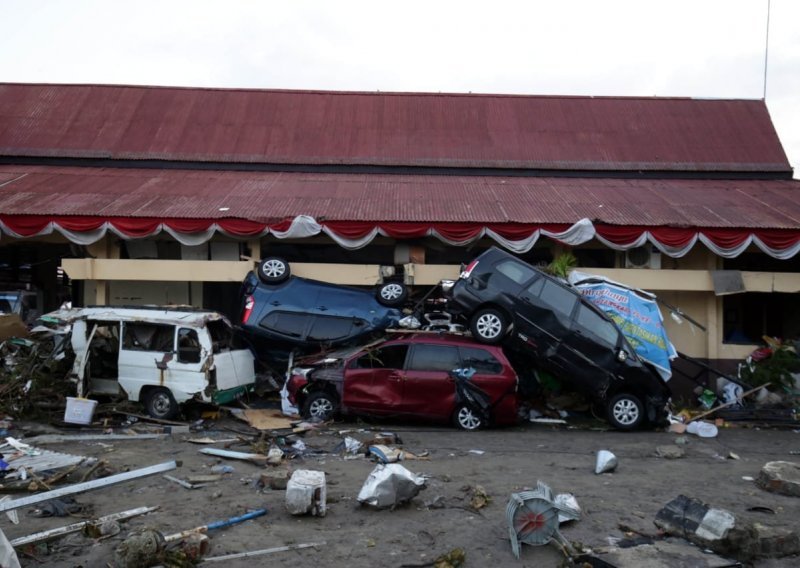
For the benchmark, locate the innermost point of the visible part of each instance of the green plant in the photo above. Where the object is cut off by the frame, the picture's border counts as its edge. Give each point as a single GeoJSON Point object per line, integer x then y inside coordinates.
{"type": "Point", "coordinates": [562, 264]}
{"type": "Point", "coordinates": [777, 369]}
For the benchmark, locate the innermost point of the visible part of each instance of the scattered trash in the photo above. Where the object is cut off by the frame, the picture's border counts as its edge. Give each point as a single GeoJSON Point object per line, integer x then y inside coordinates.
{"type": "Point", "coordinates": [349, 445]}
{"type": "Point", "coordinates": [274, 479]}
{"type": "Point", "coordinates": [88, 485]}
{"type": "Point", "coordinates": [264, 551]}
{"type": "Point", "coordinates": [144, 547]}
{"type": "Point", "coordinates": [385, 454]}
{"type": "Point", "coordinates": [79, 410]}
{"type": "Point", "coordinates": [606, 462]}
{"type": "Point", "coordinates": [183, 483]}
{"type": "Point", "coordinates": [63, 507]}
{"type": "Point", "coordinates": [477, 452]}
{"type": "Point", "coordinates": [274, 456]}
{"type": "Point", "coordinates": [262, 418]}
{"type": "Point", "coordinates": [568, 508]}
{"type": "Point", "coordinates": [670, 452]}
{"type": "Point", "coordinates": [390, 485]}
{"type": "Point", "coordinates": [306, 493]}
{"type": "Point", "coordinates": [733, 456]}
{"type": "Point", "coordinates": [8, 556]}
{"type": "Point", "coordinates": [257, 459]}
{"type": "Point", "coordinates": [759, 509]}
{"type": "Point", "coordinates": [215, 525]}
{"type": "Point", "coordinates": [222, 468]}
{"type": "Point", "coordinates": [478, 497]}
{"type": "Point", "coordinates": [780, 477]}
{"type": "Point", "coordinates": [77, 527]}
{"type": "Point", "coordinates": [453, 559]}
{"type": "Point", "coordinates": [702, 429]}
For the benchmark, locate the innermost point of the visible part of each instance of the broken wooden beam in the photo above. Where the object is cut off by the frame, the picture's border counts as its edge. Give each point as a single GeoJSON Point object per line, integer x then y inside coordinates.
{"type": "Point", "coordinates": [257, 459]}
{"type": "Point", "coordinates": [263, 551]}
{"type": "Point", "coordinates": [75, 527]}
{"type": "Point", "coordinates": [89, 485]}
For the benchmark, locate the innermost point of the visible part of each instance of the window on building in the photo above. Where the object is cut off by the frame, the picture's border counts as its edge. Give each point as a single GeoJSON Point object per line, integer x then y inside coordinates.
{"type": "Point", "coordinates": [750, 316]}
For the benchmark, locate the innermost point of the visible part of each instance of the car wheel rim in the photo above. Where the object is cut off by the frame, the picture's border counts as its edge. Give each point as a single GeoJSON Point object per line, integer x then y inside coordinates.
{"type": "Point", "coordinates": [626, 412]}
{"type": "Point", "coordinates": [273, 269]}
{"type": "Point", "coordinates": [489, 326]}
{"type": "Point", "coordinates": [321, 408]}
{"type": "Point", "coordinates": [467, 419]}
{"type": "Point", "coordinates": [161, 403]}
{"type": "Point", "coordinates": [391, 291]}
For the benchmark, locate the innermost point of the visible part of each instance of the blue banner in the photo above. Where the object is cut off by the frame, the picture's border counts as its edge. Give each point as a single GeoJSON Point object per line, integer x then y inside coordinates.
{"type": "Point", "coordinates": [637, 316]}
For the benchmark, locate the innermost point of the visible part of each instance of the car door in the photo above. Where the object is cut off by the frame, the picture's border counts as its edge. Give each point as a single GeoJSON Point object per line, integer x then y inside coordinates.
{"type": "Point", "coordinates": [429, 391]}
{"type": "Point", "coordinates": [494, 378]}
{"type": "Point", "coordinates": [545, 318]}
{"type": "Point", "coordinates": [373, 381]}
{"type": "Point", "coordinates": [590, 350]}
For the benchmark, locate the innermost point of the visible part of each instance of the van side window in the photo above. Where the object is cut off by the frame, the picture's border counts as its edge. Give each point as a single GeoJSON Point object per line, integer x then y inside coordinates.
{"type": "Point", "coordinates": [188, 346]}
{"type": "Point", "coordinates": [148, 337]}
{"type": "Point", "coordinates": [558, 298]}
{"type": "Point", "coordinates": [481, 360]}
{"type": "Point", "coordinates": [389, 357]}
{"type": "Point", "coordinates": [517, 272]}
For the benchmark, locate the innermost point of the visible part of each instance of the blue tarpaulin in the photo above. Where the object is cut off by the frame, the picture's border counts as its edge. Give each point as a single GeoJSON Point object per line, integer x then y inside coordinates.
{"type": "Point", "coordinates": [636, 314]}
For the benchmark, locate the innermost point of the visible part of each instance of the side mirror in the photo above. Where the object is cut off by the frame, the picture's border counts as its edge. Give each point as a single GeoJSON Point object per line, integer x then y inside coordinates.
{"type": "Point", "coordinates": [162, 365]}
{"type": "Point", "coordinates": [622, 356]}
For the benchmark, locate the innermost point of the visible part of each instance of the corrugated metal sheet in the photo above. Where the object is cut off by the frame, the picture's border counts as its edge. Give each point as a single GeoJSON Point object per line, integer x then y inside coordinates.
{"type": "Point", "coordinates": [443, 130]}
{"type": "Point", "coordinates": [266, 197]}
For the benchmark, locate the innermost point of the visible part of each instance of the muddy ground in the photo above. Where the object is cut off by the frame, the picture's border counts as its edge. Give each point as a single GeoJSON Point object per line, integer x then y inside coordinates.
{"type": "Point", "coordinates": [501, 461]}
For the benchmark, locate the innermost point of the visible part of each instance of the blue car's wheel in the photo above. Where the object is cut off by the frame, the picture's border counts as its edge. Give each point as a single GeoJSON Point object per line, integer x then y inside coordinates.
{"type": "Point", "coordinates": [273, 270]}
{"type": "Point", "coordinates": [392, 294]}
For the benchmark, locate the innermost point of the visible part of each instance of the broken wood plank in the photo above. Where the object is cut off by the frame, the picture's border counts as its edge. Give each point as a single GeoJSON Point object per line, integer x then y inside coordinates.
{"type": "Point", "coordinates": [263, 551]}
{"type": "Point", "coordinates": [183, 483]}
{"type": "Point", "coordinates": [258, 459]}
{"type": "Point", "coordinates": [60, 438]}
{"type": "Point", "coordinates": [89, 485]}
{"type": "Point", "coordinates": [727, 404]}
{"type": "Point", "coordinates": [75, 527]}
{"type": "Point", "coordinates": [150, 418]}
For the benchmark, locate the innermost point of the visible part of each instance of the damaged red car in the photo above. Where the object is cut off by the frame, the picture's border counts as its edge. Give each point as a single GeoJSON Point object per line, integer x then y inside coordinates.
{"type": "Point", "coordinates": [412, 376]}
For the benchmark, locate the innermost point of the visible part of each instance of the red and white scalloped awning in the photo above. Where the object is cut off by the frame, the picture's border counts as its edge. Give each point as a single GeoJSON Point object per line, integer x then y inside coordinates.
{"type": "Point", "coordinates": [674, 242]}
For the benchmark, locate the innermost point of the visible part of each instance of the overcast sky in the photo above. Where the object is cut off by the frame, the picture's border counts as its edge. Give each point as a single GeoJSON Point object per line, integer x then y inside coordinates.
{"type": "Point", "coordinates": [694, 48]}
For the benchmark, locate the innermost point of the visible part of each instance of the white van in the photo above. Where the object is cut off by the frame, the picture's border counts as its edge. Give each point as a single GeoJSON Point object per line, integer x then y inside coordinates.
{"type": "Point", "coordinates": [159, 356]}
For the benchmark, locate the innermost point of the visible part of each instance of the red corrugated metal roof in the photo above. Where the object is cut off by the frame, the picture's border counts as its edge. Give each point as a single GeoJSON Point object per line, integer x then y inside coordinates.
{"type": "Point", "coordinates": [388, 129]}
{"type": "Point", "coordinates": [267, 197]}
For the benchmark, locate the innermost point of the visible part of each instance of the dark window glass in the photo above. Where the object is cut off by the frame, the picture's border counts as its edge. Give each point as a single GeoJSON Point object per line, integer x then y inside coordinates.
{"type": "Point", "coordinates": [558, 298]}
{"type": "Point", "coordinates": [481, 360]}
{"type": "Point", "coordinates": [389, 357]}
{"type": "Point", "coordinates": [535, 288]}
{"type": "Point", "coordinates": [516, 271]}
{"type": "Point", "coordinates": [286, 323]}
{"type": "Point", "coordinates": [602, 329]}
{"type": "Point", "coordinates": [328, 328]}
{"type": "Point", "coordinates": [149, 337]}
{"type": "Point", "coordinates": [434, 358]}
{"type": "Point", "coordinates": [188, 346]}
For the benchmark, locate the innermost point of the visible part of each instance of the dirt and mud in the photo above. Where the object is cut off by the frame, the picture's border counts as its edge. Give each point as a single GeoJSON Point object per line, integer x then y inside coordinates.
{"type": "Point", "coordinates": [440, 518]}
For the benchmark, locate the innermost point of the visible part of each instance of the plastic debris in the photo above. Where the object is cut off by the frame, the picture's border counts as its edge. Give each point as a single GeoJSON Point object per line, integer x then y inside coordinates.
{"type": "Point", "coordinates": [306, 493]}
{"type": "Point", "coordinates": [385, 454]}
{"type": "Point", "coordinates": [606, 462]}
{"type": "Point", "coordinates": [702, 429]}
{"type": "Point", "coordinates": [390, 485]}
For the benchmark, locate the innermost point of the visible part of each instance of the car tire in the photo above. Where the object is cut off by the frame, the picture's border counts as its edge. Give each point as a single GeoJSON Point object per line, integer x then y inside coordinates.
{"type": "Point", "coordinates": [320, 405]}
{"type": "Point", "coordinates": [625, 411]}
{"type": "Point", "coordinates": [273, 270]}
{"type": "Point", "coordinates": [466, 418]}
{"type": "Point", "coordinates": [392, 294]}
{"type": "Point", "coordinates": [159, 403]}
{"type": "Point", "coordinates": [488, 326]}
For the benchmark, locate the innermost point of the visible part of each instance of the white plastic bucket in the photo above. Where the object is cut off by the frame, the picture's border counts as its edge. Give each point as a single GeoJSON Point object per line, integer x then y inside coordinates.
{"type": "Point", "coordinates": [79, 410]}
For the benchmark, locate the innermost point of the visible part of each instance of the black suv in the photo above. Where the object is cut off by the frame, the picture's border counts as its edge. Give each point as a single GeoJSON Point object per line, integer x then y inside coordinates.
{"type": "Point", "coordinates": [506, 300]}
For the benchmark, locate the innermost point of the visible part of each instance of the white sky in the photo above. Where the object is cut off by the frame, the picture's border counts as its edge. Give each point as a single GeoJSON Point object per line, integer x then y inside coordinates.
{"type": "Point", "coordinates": [695, 48]}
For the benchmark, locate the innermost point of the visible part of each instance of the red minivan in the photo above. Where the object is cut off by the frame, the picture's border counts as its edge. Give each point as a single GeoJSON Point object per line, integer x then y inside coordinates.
{"type": "Point", "coordinates": [411, 376]}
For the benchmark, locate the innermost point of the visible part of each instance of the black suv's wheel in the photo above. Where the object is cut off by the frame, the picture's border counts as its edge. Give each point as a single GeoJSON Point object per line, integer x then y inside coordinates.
{"type": "Point", "coordinates": [625, 411]}
{"type": "Point", "coordinates": [159, 403]}
{"type": "Point", "coordinates": [488, 326]}
{"type": "Point", "coordinates": [272, 270]}
{"type": "Point", "coordinates": [320, 405]}
{"type": "Point", "coordinates": [392, 294]}
{"type": "Point", "coordinates": [466, 418]}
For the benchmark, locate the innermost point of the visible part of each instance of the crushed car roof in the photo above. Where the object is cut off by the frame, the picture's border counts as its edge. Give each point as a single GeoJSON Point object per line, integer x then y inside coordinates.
{"type": "Point", "coordinates": [152, 314]}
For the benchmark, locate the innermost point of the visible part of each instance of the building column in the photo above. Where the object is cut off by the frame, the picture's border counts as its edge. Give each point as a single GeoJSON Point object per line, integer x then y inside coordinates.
{"type": "Point", "coordinates": [97, 292]}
